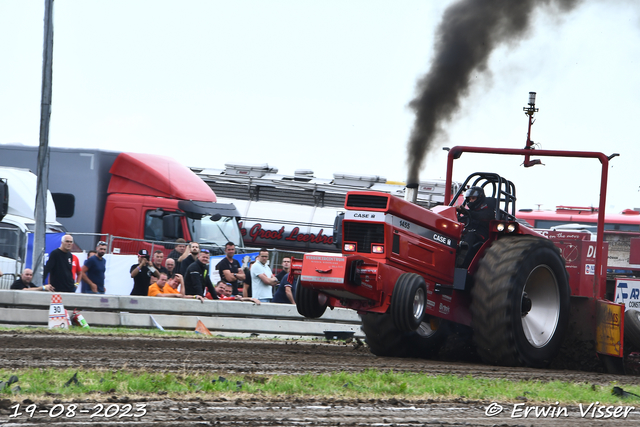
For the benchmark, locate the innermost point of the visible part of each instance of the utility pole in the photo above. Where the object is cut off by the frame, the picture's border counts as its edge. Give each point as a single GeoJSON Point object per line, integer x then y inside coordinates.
{"type": "Point", "coordinates": [43, 153]}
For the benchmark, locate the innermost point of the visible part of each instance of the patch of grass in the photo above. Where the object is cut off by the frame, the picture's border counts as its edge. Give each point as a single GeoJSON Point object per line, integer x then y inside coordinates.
{"type": "Point", "coordinates": [370, 384]}
{"type": "Point", "coordinates": [125, 331]}
{"type": "Point", "coordinates": [105, 331]}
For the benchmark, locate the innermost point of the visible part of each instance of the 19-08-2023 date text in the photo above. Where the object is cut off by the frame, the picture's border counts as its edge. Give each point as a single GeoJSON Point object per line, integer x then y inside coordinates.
{"type": "Point", "coordinates": [71, 410]}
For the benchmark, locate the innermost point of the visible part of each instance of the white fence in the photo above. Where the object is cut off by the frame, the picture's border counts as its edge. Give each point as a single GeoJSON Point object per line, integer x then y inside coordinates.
{"type": "Point", "coordinates": [32, 308]}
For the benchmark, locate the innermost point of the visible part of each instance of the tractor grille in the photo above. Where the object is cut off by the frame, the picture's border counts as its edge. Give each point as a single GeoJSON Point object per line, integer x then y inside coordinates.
{"type": "Point", "coordinates": [367, 201]}
{"type": "Point", "coordinates": [364, 234]}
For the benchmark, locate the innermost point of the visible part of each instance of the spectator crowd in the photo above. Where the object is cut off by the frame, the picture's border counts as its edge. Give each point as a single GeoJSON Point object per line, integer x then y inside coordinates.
{"type": "Point", "coordinates": [185, 273]}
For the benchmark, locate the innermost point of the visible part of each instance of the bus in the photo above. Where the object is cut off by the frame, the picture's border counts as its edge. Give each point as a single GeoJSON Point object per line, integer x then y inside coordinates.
{"type": "Point", "coordinates": [621, 231]}
{"type": "Point", "coordinates": [627, 220]}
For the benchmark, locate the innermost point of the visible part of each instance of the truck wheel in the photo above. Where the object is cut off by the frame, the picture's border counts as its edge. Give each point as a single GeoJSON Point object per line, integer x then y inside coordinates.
{"type": "Point", "coordinates": [632, 327]}
{"type": "Point", "coordinates": [408, 302]}
{"type": "Point", "coordinates": [520, 302]}
{"type": "Point", "coordinates": [309, 302]}
{"type": "Point", "coordinates": [386, 340]}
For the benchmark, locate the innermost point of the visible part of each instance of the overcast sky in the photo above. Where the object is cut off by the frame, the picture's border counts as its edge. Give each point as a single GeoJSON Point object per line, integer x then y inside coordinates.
{"type": "Point", "coordinates": [324, 85]}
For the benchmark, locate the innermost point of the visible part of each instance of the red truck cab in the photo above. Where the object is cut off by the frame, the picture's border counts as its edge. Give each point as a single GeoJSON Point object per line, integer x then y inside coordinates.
{"type": "Point", "coordinates": [156, 198]}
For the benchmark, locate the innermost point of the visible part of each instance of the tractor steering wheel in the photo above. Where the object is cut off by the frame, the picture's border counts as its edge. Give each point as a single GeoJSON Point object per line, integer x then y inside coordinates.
{"type": "Point", "coordinates": [463, 215]}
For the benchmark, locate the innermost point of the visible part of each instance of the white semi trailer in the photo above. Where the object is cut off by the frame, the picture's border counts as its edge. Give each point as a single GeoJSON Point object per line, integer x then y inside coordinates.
{"type": "Point", "coordinates": [297, 212]}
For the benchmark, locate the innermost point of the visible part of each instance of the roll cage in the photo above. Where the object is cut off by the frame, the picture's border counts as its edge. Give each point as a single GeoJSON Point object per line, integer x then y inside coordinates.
{"type": "Point", "coordinates": [502, 190]}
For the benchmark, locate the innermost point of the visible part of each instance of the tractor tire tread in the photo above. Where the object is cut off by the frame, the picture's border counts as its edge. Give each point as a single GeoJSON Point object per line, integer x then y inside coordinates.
{"type": "Point", "coordinates": [402, 301]}
{"type": "Point", "coordinates": [307, 303]}
{"type": "Point", "coordinates": [492, 296]}
{"type": "Point", "coordinates": [632, 327]}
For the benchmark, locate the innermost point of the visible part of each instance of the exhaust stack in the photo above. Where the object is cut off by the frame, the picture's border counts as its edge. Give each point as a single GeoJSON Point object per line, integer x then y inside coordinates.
{"type": "Point", "coordinates": [411, 192]}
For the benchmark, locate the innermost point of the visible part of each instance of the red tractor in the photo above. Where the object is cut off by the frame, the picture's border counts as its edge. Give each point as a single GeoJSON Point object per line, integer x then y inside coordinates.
{"type": "Point", "coordinates": [399, 270]}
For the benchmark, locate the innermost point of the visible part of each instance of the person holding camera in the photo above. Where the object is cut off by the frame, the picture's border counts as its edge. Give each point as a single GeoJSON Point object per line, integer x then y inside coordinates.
{"type": "Point", "coordinates": [141, 274]}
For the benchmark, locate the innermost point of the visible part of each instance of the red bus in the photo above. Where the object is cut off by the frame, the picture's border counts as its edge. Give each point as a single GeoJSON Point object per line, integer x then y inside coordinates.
{"type": "Point", "coordinates": [621, 231]}
{"type": "Point", "coordinates": [627, 220]}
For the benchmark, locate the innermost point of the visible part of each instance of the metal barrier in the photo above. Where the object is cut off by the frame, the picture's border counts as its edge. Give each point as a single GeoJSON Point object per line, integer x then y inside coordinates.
{"type": "Point", "coordinates": [275, 257]}
{"type": "Point", "coordinates": [7, 280]}
{"type": "Point", "coordinates": [129, 246]}
{"type": "Point", "coordinates": [87, 241]}
{"type": "Point", "coordinates": [32, 308]}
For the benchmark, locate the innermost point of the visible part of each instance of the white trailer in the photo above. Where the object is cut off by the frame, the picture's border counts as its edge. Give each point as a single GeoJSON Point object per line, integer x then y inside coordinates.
{"type": "Point", "coordinates": [297, 212]}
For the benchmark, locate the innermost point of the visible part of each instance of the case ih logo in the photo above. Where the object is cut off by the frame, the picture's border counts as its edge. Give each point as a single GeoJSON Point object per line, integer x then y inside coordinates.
{"type": "Point", "coordinates": [442, 239]}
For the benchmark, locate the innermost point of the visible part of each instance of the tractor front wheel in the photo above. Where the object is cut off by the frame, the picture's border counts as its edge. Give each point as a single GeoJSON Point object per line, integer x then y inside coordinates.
{"type": "Point", "coordinates": [385, 339]}
{"type": "Point", "coordinates": [408, 302]}
{"type": "Point", "coordinates": [309, 302]}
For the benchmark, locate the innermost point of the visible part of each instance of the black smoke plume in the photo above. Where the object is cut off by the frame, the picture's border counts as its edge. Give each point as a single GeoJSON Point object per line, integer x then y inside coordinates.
{"type": "Point", "coordinates": [470, 30]}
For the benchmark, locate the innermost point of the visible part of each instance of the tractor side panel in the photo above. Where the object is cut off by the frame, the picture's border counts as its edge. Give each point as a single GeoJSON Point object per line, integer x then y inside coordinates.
{"type": "Point", "coordinates": [580, 258]}
{"type": "Point", "coordinates": [453, 306]}
{"type": "Point", "coordinates": [429, 254]}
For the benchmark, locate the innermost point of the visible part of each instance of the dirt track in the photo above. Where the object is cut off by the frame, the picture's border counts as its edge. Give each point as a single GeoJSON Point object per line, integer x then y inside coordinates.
{"type": "Point", "coordinates": [226, 356]}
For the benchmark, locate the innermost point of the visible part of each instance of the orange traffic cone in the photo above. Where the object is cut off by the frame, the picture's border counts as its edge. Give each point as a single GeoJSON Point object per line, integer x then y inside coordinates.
{"type": "Point", "coordinates": [201, 329]}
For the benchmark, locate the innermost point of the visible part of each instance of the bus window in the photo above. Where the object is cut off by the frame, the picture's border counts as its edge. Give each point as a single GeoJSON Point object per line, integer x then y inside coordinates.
{"type": "Point", "coordinates": [547, 224]}
{"type": "Point", "coordinates": [622, 227]}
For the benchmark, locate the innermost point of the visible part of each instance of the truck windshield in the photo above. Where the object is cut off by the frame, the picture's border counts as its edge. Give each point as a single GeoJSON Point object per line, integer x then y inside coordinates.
{"type": "Point", "coordinates": [209, 232]}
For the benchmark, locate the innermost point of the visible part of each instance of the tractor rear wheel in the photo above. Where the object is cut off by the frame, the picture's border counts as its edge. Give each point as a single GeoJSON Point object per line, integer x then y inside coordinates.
{"type": "Point", "coordinates": [408, 302]}
{"type": "Point", "coordinates": [309, 302]}
{"type": "Point", "coordinates": [385, 339]}
{"type": "Point", "coordinates": [632, 327]}
{"type": "Point", "coordinates": [520, 302]}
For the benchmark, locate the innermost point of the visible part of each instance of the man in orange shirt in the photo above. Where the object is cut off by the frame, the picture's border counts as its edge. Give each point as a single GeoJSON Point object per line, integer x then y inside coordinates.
{"type": "Point", "coordinates": [169, 288]}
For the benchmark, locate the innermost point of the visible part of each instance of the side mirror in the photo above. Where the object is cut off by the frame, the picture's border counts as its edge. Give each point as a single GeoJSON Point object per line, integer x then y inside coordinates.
{"type": "Point", "coordinates": [170, 227]}
{"type": "Point", "coordinates": [337, 230]}
{"type": "Point", "coordinates": [4, 198]}
{"type": "Point", "coordinates": [216, 217]}
{"type": "Point", "coordinates": [157, 213]}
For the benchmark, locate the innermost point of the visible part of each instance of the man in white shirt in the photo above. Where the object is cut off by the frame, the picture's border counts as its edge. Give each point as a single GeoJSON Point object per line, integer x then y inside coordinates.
{"type": "Point", "coordinates": [262, 278]}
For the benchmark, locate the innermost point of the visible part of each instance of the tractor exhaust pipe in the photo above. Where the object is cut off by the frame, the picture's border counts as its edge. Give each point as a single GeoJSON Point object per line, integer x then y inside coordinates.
{"type": "Point", "coordinates": [411, 192]}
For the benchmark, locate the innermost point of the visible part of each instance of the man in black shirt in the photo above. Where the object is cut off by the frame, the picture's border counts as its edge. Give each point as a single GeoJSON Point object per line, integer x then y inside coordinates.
{"type": "Point", "coordinates": [229, 268]}
{"type": "Point", "coordinates": [24, 283]}
{"type": "Point", "coordinates": [141, 274]}
{"type": "Point", "coordinates": [188, 257]}
{"type": "Point", "coordinates": [286, 266]}
{"type": "Point", "coordinates": [285, 294]}
{"type": "Point", "coordinates": [197, 277]}
{"type": "Point", "coordinates": [158, 256]}
{"type": "Point", "coordinates": [59, 266]}
{"type": "Point", "coordinates": [176, 253]}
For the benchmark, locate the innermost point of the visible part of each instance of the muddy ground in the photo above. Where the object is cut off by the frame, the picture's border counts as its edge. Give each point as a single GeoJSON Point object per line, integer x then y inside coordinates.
{"type": "Point", "coordinates": [226, 356]}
